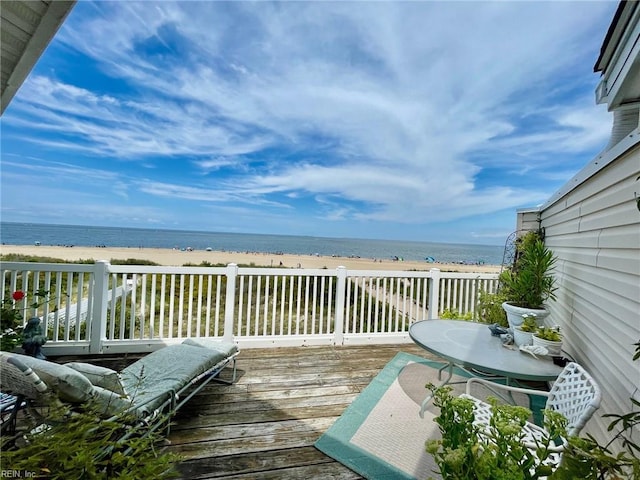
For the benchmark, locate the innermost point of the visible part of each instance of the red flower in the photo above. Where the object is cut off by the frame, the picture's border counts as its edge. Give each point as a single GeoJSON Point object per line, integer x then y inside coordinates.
{"type": "Point", "coordinates": [18, 295]}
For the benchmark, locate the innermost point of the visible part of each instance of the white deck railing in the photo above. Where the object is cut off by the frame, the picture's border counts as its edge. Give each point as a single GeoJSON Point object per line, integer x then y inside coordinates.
{"type": "Point", "coordinates": [129, 308]}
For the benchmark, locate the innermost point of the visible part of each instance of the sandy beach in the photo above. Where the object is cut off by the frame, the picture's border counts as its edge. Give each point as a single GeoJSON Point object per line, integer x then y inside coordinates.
{"type": "Point", "coordinates": [172, 257]}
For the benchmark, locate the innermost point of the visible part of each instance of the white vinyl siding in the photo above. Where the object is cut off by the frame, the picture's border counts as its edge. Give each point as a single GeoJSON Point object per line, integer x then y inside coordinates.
{"type": "Point", "coordinates": [594, 230]}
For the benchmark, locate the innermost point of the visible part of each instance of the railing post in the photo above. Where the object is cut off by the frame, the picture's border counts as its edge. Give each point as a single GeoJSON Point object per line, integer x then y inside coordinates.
{"type": "Point", "coordinates": [341, 292]}
{"type": "Point", "coordinates": [434, 294]}
{"type": "Point", "coordinates": [230, 302]}
{"type": "Point", "coordinates": [98, 330]}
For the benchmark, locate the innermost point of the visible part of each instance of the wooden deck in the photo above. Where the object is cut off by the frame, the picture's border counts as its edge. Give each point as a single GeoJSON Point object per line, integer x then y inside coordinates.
{"type": "Point", "coordinates": [264, 426]}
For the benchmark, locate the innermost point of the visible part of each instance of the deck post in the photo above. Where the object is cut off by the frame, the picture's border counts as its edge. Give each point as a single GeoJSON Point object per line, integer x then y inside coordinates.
{"type": "Point", "coordinates": [229, 306]}
{"type": "Point", "coordinates": [434, 293]}
{"type": "Point", "coordinates": [341, 291]}
{"type": "Point", "coordinates": [98, 332]}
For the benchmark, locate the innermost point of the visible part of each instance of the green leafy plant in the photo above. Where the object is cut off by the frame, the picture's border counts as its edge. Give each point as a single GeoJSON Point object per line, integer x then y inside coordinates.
{"type": "Point", "coordinates": [82, 445]}
{"type": "Point", "coordinates": [586, 458]}
{"type": "Point", "coordinates": [529, 283]}
{"type": "Point", "coordinates": [551, 334]}
{"type": "Point", "coordinates": [530, 324]}
{"type": "Point", "coordinates": [464, 452]}
{"type": "Point", "coordinates": [11, 318]}
{"type": "Point", "coordinates": [489, 308]}
{"type": "Point", "coordinates": [467, 452]}
{"type": "Point", "coordinates": [454, 314]}
{"type": "Point", "coordinates": [10, 322]}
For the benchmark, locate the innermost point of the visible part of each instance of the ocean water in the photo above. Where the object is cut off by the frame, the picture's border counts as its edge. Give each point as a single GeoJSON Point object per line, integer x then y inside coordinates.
{"type": "Point", "coordinates": [69, 235]}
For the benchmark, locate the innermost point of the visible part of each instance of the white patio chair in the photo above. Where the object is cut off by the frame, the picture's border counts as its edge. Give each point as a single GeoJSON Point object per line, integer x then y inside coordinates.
{"type": "Point", "coordinates": [574, 394]}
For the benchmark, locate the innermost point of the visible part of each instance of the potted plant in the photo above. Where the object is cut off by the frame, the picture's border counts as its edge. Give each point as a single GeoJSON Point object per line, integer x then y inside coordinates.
{"type": "Point", "coordinates": [529, 283]}
{"type": "Point", "coordinates": [550, 338]}
{"type": "Point", "coordinates": [465, 452]}
{"type": "Point", "coordinates": [523, 334]}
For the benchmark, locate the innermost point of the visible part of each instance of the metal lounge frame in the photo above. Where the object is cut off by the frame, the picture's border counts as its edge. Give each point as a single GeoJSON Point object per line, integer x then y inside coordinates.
{"type": "Point", "coordinates": [30, 391]}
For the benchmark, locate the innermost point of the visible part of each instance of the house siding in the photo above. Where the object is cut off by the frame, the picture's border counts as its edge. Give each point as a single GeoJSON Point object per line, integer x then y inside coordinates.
{"type": "Point", "coordinates": [528, 220]}
{"type": "Point", "coordinates": [594, 230]}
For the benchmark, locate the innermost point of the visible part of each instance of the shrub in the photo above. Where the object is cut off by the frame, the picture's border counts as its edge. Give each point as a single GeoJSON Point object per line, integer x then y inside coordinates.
{"type": "Point", "coordinates": [454, 314]}
{"type": "Point", "coordinates": [83, 446]}
{"type": "Point", "coordinates": [489, 308]}
{"type": "Point", "coordinates": [529, 283]}
{"type": "Point", "coordinates": [466, 452]}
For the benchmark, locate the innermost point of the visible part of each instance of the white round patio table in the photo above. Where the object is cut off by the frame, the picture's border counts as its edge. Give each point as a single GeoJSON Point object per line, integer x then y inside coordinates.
{"type": "Point", "coordinates": [471, 346]}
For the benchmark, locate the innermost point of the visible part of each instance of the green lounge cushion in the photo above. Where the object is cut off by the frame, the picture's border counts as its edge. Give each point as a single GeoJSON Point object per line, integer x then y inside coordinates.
{"type": "Point", "coordinates": [110, 403]}
{"type": "Point", "coordinates": [151, 382]}
{"type": "Point", "coordinates": [156, 377]}
{"type": "Point", "coordinates": [70, 385]}
{"type": "Point", "coordinates": [100, 376]}
{"type": "Point", "coordinates": [227, 348]}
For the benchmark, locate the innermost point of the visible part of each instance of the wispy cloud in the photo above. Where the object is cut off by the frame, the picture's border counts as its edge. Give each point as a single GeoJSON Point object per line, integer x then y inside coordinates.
{"type": "Point", "coordinates": [347, 111]}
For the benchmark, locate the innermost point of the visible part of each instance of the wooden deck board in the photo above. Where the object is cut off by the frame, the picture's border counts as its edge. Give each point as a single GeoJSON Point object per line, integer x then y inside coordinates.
{"type": "Point", "coordinates": [265, 425]}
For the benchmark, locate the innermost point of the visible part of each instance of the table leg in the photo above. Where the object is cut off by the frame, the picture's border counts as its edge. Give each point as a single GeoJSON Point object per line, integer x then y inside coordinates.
{"type": "Point", "coordinates": [441, 369]}
{"type": "Point", "coordinates": [426, 401]}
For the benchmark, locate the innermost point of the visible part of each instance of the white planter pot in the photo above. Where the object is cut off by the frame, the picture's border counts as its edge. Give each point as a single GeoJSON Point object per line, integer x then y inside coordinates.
{"type": "Point", "coordinates": [554, 348]}
{"type": "Point", "coordinates": [520, 337]}
{"type": "Point", "coordinates": [514, 314]}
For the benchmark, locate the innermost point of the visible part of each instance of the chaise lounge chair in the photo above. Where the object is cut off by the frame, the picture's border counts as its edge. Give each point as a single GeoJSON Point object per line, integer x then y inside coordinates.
{"type": "Point", "coordinates": [152, 387]}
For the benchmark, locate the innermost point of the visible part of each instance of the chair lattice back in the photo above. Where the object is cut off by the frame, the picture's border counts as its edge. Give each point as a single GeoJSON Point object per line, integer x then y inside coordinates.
{"type": "Point", "coordinates": [576, 395]}
{"type": "Point", "coordinates": [18, 379]}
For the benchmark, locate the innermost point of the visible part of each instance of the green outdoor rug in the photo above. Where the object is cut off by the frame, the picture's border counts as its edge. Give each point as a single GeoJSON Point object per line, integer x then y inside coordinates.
{"type": "Point", "coordinates": [381, 435]}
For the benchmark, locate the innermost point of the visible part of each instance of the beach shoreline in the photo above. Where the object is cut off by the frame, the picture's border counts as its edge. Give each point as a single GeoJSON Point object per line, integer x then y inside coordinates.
{"type": "Point", "coordinates": [176, 257]}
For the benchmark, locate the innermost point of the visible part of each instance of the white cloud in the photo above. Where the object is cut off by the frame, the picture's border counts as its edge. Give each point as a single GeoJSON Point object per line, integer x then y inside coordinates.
{"type": "Point", "coordinates": [389, 111]}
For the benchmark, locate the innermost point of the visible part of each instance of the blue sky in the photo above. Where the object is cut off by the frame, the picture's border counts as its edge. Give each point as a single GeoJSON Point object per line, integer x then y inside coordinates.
{"type": "Point", "coordinates": [426, 121]}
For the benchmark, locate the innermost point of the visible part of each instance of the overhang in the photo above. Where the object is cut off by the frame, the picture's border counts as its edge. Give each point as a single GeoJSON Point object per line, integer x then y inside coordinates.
{"type": "Point", "coordinates": [26, 27]}
{"type": "Point", "coordinates": [619, 60]}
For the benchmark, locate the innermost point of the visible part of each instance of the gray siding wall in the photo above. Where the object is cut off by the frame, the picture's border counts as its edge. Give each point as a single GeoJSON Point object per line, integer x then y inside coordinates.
{"type": "Point", "coordinates": [528, 220]}
{"type": "Point", "coordinates": [594, 230]}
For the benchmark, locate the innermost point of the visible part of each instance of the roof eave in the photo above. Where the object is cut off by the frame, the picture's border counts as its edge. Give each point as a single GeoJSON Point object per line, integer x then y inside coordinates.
{"type": "Point", "coordinates": [49, 24]}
